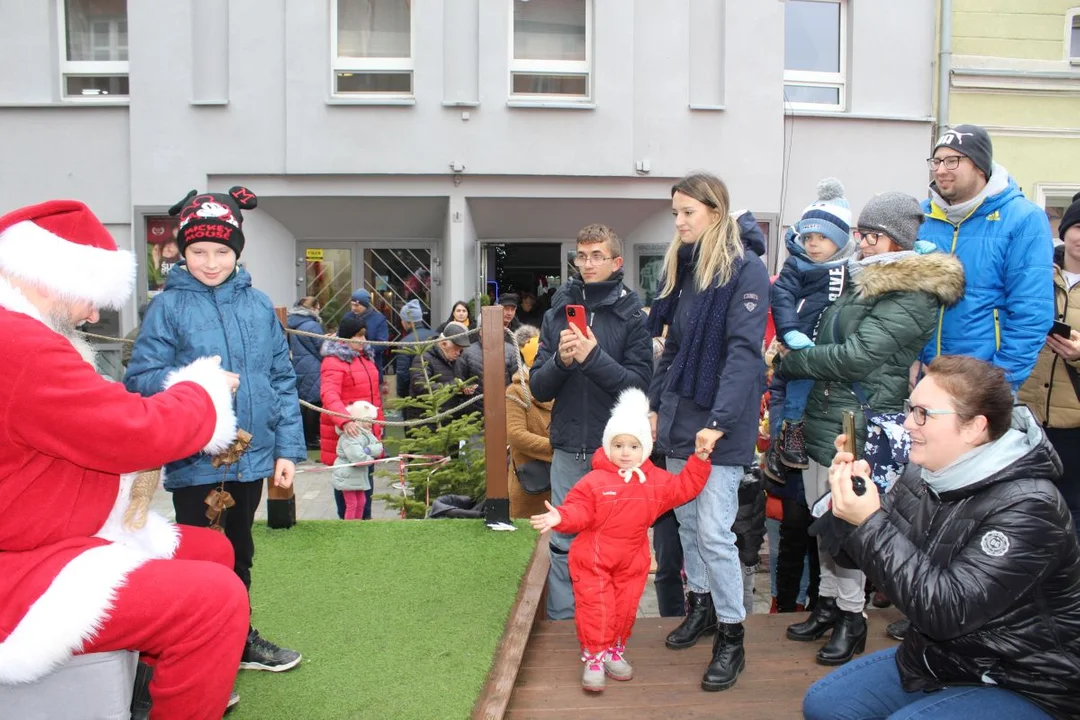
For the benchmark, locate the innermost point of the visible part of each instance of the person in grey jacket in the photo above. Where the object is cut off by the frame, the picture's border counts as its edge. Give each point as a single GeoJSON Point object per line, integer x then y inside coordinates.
{"type": "Point", "coordinates": [705, 396]}
{"type": "Point", "coordinates": [584, 374]}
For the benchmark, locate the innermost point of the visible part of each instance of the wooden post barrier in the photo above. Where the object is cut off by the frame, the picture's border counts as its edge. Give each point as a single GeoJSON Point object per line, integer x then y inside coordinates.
{"type": "Point", "coordinates": [497, 506]}
{"type": "Point", "coordinates": [280, 502]}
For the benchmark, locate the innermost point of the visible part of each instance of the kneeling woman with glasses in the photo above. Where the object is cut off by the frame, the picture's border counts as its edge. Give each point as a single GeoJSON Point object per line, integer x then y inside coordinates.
{"type": "Point", "coordinates": [865, 345]}
{"type": "Point", "coordinates": [975, 545]}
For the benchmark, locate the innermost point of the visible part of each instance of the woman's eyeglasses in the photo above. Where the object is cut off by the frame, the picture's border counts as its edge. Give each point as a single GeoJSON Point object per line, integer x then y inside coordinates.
{"type": "Point", "coordinates": [869, 236]}
{"type": "Point", "coordinates": [920, 413]}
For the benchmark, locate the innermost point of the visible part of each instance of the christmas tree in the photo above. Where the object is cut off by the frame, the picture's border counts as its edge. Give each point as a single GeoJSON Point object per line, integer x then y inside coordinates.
{"type": "Point", "coordinates": [458, 436]}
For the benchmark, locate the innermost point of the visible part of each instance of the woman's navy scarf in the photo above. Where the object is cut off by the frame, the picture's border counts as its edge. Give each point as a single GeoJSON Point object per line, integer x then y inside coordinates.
{"type": "Point", "coordinates": [702, 343]}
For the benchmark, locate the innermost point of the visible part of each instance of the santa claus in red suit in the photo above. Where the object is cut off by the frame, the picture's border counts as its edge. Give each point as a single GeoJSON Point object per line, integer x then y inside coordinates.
{"type": "Point", "coordinates": [73, 577]}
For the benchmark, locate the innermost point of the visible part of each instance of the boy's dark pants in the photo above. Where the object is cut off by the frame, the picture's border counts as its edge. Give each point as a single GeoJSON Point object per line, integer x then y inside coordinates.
{"type": "Point", "coordinates": [795, 543]}
{"type": "Point", "coordinates": [190, 506]}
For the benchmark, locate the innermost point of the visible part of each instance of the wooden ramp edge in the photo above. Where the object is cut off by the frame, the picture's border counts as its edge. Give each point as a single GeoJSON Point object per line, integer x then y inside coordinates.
{"type": "Point", "coordinates": [495, 697]}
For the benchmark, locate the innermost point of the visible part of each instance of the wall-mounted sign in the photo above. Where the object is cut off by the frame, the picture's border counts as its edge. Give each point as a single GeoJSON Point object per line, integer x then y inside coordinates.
{"type": "Point", "coordinates": [314, 254]}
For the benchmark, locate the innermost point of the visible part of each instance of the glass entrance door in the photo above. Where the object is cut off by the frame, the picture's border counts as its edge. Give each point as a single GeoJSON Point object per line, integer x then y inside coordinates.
{"type": "Point", "coordinates": [393, 275]}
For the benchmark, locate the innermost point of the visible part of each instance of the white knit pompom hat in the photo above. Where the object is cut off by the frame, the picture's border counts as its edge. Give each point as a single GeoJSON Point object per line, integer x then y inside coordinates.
{"type": "Point", "coordinates": [630, 416]}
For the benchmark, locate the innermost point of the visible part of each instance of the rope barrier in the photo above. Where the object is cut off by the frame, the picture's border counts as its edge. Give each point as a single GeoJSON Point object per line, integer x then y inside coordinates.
{"type": "Point", "coordinates": [390, 343]}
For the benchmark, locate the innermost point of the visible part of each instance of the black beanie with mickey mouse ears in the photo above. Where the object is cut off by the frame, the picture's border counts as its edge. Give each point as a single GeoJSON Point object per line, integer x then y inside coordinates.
{"type": "Point", "coordinates": [214, 217]}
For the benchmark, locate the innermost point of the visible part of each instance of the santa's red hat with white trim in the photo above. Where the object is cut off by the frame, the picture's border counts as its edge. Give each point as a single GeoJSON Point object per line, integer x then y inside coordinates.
{"type": "Point", "coordinates": [61, 246]}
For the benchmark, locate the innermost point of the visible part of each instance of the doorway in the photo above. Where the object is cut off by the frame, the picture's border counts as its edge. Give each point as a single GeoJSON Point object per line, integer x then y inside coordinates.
{"type": "Point", "coordinates": [331, 271]}
{"type": "Point", "coordinates": [539, 268]}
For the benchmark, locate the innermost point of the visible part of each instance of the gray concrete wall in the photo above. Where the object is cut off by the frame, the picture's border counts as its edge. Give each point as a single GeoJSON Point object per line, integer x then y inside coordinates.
{"type": "Point", "coordinates": [242, 90]}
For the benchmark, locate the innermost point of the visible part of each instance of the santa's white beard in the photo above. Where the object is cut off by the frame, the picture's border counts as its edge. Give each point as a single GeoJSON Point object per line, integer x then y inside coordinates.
{"type": "Point", "coordinates": [61, 324]}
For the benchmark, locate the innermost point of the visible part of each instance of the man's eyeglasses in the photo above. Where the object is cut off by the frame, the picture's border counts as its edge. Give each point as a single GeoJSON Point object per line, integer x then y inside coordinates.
{"type": "Point", "coordinates": [869, 236]}
{"type": "Point", "coordinates": [919, 413]}
{"type": "Point", "coordinates": [581, 259]}
{"type": "Point", "coordinates": [951, 162]}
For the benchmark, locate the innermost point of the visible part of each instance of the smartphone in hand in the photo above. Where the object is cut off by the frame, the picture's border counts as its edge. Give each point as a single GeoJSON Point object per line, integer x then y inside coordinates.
{"type": "Point", "coordinates": [1060, 329]}
{"type": "Point", "coordinates": [858, 484]}
{"type": "Point", "coordinates": [575, 315]}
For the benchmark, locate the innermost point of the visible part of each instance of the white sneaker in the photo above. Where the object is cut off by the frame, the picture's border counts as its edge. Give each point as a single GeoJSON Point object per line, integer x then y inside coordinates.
{"type": "Point", "coordinates": [615, 664]}
{"type": "Point", "coordinates": [592, 679]}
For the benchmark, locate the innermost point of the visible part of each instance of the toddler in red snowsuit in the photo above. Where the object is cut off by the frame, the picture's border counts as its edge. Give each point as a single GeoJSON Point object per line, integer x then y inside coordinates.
{"type": "Point", "coordinates": [611, 510]}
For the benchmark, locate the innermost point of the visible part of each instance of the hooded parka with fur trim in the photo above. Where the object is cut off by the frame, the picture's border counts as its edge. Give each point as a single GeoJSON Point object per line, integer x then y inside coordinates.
{"type": "Point", "coordinates": [871, 335]}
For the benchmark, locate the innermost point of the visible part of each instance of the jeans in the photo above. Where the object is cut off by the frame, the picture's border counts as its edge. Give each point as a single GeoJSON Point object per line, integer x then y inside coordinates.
{"type": "Point", "coordinates": [566, 469]}
{"type": "Point", "coordinates": [846, 585]}
{"type": "Point", "coordinates": [794, 403]}
{"type": "Point", "coordinates": [1067, 443]}
{"type": "Point", "coordinates": [870, 688]}
{"type": "Point", "coordinates": [709, 552]}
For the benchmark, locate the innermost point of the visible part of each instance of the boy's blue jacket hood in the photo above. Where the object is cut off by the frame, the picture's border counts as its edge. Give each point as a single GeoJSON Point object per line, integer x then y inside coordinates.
{"type": "Point", "coordinates": [189, 320]}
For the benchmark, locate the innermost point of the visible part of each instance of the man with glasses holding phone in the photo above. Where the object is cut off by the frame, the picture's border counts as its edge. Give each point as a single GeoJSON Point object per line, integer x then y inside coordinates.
{"type": "Point", "coordinates": [583, 373]}
{"type": "Point", "coordinates": [978, 213]}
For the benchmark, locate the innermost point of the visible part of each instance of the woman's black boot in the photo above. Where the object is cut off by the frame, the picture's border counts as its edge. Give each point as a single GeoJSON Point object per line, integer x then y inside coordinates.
{"type": "Point", "coordinates": [848, 639]}
{"type": "Point", "coordinates": [728, 658]}
{"type": "Point", "coordinates": [822, 619]}
{"type": "Point", "coordinates": [700, 620]}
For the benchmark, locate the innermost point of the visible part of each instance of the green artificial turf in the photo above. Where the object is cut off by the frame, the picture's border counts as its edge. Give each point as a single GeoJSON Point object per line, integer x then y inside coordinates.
{"type": "Point", "coordinates": [395, 619]}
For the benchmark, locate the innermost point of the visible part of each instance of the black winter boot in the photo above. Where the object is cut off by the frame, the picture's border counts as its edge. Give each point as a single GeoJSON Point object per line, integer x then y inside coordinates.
{"type": "Point", "coordinates": [848, 640]}
{"type": "Point", "coordinates": [897, 630]}
{"type": "Point", "coordinates": [728, 658]}
{"type": "Point", "coordinates": [793, 446]}
{"type": "Point", "coordinates": [822, 619]}
{"type": "Point", "coordinates": [700, 620]}
{"type": "Point", "coordinates": [773, 468]}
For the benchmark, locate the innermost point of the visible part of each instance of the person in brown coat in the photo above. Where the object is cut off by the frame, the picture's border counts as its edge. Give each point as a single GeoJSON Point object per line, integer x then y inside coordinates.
{"type": "Point", "coordinates": [527, 422]}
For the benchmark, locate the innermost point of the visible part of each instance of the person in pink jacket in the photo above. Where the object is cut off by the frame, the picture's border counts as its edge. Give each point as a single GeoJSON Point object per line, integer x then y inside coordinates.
{"type": "Point", "coordinates": [611, 510]}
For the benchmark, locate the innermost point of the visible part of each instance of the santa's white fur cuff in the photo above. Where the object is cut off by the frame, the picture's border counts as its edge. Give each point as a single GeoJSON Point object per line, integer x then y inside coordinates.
{"type": "Point", "coordinates": [206, 373]}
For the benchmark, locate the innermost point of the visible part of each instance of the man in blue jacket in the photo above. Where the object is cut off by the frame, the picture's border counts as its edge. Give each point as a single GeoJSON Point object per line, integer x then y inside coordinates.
{"type": "Point", "coordinates": [375, 322]}
{"type": "Point", "coordinates": [584, 374]}
{"type": "Point", "coordinates": [978, 213]}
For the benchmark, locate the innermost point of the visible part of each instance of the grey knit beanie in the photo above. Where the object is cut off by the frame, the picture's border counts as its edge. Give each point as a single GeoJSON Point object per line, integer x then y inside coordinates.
{"type": "Point", "coordinates": [894, 213]}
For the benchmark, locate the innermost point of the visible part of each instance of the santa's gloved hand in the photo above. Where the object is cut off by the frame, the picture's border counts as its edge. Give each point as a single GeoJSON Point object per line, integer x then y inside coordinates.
{"type": "Point", "coordinates": [925, 246]}
{"type": "Point", "coordinates": [795, 340]}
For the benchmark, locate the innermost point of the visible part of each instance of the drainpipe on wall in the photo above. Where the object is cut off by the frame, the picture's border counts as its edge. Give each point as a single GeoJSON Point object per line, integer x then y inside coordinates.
{"type": "Point", "coordinates": [944, 65]}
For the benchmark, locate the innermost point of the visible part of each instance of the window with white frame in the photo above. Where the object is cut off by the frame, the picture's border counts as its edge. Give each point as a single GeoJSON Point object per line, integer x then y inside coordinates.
{"type": "Point", "coordinates": [815, 53]}
{"type": "Point", "coordinates": [1072, 35]}
{"type": "Point", "coordinates": [94, 51]}
{"type": "Point", "coordinates": [372, 46]}
{"type": "Point", "coordinates": [550, 49]}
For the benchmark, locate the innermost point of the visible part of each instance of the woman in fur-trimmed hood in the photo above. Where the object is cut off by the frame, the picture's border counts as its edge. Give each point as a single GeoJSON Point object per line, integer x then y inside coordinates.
{"type": "Point", "coordinates": [865, 343]}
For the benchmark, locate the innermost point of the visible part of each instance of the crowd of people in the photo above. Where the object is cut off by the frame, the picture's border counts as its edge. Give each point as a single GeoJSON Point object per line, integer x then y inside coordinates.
{"type": "Point", "coordinates": [944, 328]}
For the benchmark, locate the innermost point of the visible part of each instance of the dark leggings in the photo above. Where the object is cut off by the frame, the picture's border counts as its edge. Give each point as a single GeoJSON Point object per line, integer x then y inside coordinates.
{"type": "Point", "coordinates": [795, 543]}
{"type": "Point", "coordinates": [1067, 443]}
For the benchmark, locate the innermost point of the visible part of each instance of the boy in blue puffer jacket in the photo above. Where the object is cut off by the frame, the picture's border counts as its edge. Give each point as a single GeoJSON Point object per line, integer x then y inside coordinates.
{"type": "Point", "coordinates": [209, 308]}
{"type": "Point", "coordinates": [811, 279]}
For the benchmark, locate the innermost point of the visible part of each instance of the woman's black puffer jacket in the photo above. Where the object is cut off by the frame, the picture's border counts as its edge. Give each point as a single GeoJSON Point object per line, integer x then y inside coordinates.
{"type": "Point", "coordinates": [989, 576]}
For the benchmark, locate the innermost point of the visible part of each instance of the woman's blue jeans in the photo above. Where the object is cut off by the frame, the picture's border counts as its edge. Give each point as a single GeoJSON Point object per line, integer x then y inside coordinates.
{"type": "Point", "coordinates": [870, 688]}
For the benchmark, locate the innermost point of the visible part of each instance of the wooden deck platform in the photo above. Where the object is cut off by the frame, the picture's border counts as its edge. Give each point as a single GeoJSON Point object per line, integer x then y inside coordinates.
{"type": "Point", "coordinates": [667, 683]}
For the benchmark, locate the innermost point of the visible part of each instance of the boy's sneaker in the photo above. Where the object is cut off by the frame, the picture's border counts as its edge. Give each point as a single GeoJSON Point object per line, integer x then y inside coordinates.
{"type": "Point", "coordinates": [592, 679]}
{"type": "Point", "coordinates": [793, 446]}
{"type": "Point", "coordinates": [261, 654]}
{"type": "Point", "coordinates": [772, 466]}
{"type": "Point", "coordinates": [234, 700]}
{"type": "Point", "coordinates": [615, 664]}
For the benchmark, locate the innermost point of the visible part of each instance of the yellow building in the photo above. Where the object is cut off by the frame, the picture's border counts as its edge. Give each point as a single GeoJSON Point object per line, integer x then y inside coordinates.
{"type": "Point", "coordinates": [1014, 68]}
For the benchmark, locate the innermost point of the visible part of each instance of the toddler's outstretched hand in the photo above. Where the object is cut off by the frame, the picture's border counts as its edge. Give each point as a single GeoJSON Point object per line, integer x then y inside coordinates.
{"type": "Point", "coordinates": [796, 340]}
{"type": "Point", "coordinates": [546, 521]}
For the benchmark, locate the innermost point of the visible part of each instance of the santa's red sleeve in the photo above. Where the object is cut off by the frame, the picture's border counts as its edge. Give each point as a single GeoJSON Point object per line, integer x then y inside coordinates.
{"type": "Point", "coordinates": [687, 485]}
{"type": "Point", "coordinates": [579, 507]}
{"type": "Point", "coordinates": [69, 411]}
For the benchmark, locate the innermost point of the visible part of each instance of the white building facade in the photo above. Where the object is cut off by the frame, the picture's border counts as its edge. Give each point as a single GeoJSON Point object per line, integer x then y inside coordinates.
{"type": "Point", "coordinates": [442, 148]}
